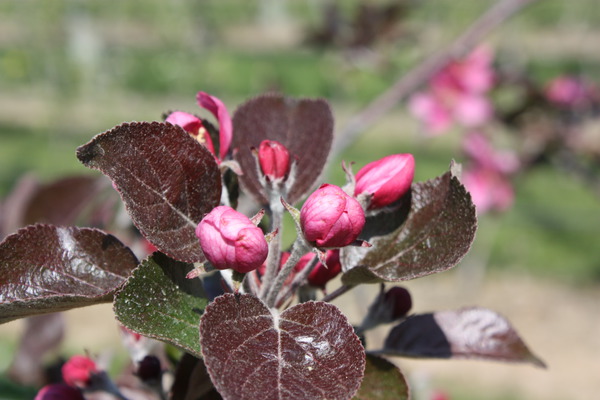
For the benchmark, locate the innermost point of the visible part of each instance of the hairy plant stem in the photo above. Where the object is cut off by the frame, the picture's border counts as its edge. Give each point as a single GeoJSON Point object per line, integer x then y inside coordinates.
{"type": "Point", "coordinates": [275, 210]}
{"type": "Point", "coordinates": [337, 293]}
{"type": "Point", "coordinates": [497, 14]}
{"type": "Point", "coordinates": [299, 280]}
{"type": "Point", "coordinates": [300, 248]}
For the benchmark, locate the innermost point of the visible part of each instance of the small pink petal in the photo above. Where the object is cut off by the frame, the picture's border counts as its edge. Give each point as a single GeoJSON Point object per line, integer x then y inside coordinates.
{"type": "Point", "coordinates": [218, 109]}
{"type": "Point", "coordinates": [190, 123]}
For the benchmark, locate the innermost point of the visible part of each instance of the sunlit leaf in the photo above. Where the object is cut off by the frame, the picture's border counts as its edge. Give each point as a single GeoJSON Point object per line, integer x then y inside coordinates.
{"type": "Point", "coordinates": [167, 180]}
{"type": "Point", "coordinates": [158, 301]}
{"type": "Point", "coordinates": [437, 233]}
{"type": "Point", "coordinates": [303, 126]}
{"type": "Point", "coordinates": [476, 333]}
{"type": "Point", "coordinates": [44, 268]}
{"type": "Point", "coordinates": [308, 351]}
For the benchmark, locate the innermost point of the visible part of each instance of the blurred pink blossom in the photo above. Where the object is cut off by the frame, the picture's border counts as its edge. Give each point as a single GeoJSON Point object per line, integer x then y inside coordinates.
{"type": "Point", "coordinates": [487, 176]}
{"type": "Point", "coordinates": [457, 93]}
{"type": "Point", "coordinates": [568, 91]}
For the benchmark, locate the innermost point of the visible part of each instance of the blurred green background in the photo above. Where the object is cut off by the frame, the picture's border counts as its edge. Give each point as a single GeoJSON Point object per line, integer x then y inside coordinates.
{"type": "Point", "coordinates": [70, 69]}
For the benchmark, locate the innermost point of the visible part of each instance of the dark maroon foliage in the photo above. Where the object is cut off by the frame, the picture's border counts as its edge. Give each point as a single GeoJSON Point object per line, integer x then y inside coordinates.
{"type": "Point", "coordinates": [167, 180]}
{"type": "Point", "coordinates": [44, 268]}
{"type": "Point", "coordinates": [476, 333]}
{"type": "Point", "coordinates": [436, 234]}
{"type": "Point", "coordinates": [303, 126]}
{"type": "Point", "coordinates": [309, 351]}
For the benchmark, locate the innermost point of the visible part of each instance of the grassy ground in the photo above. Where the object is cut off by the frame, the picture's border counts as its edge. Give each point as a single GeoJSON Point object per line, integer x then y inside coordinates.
{"type": "Point", "coordinates": [71, 69]}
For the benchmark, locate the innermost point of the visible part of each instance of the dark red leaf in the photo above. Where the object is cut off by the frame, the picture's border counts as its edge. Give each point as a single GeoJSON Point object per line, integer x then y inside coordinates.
{"type": "Point", "coordinates": [308, 351]}
{"type": "Point", "coordinates": [14, 206]}
{"type": "Point", "coordinates": [60, 202]}
{"type": "Point", "coordinates": [167, 180]}
{"type": "Point", "coordinates": [303, 126]}
{"type": "Point", "coordinates": [44, 268]}
{"type": "Point", "coordinates": [382, 381]}
{"type": "Point", "coordinates": [437, 233]}
{"type": "Point", "coordinates": [476, 333]}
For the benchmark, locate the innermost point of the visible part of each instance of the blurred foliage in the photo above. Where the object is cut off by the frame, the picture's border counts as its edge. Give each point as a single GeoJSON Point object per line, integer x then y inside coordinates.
{"type": "Point", "coordinates": [70, 69]}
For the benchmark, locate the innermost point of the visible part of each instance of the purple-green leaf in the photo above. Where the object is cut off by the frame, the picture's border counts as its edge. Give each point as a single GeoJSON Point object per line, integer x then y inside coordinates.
{"type": "Point", "coordinates": [473, 333]}
{"type": "Point", "coordinates": [382, 381]}
{"type": "Point", "coordinates": [307, 352]}
{"type": "Point", "coordinates": [167, 180]}
{"type": "Point", "coordinates": [303, 126]}
{"type": "Point", "coordinates": [437, 233]}
{"type": "Point", "coordinates": [158, 301]}
{"type": "Point", "coordinates": [45, 268]}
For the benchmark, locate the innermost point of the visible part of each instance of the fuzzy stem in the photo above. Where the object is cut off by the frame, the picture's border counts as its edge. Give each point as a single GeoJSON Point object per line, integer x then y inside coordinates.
{"type": "Point", "coordinates": [276, 210]}
{"type": "Point", "coordinates": [299, 280]}
{"type": "Point", "coordinates": [409, 82]}
{"type": "Point", "coordinates": [301, 247]}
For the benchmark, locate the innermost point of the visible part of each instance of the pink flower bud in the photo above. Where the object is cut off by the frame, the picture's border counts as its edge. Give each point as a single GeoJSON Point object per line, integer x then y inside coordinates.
{"type": "Point", "coordinates": [331, 218]}
{"type": "Point", "coordinates": [274, 159]}
{"type": "Point", "coordinates": [322, 274]}
{"type": "Point", "coordinates": [230, 240]}
{"type": "Point", "coordinates": [387, 179]}
{"type": "Point", "coordinates": [78, 371]}
{"type": "Point", "coordinates": [59, 391]}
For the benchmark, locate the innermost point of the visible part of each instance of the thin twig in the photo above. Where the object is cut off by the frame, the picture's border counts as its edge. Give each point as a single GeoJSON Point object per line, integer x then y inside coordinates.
{"type": "Point", "coordinates": [408, 83]}
{"type": "Point", "coordinates": [337, 293]}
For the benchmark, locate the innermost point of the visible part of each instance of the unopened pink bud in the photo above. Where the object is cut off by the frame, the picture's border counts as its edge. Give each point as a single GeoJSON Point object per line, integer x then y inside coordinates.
{"type": "Point", "coordinates": [274, 159]}
{"type": "Point", "coordinates": [331, 218]}
{"type": "Point", "coordinates": [322, 274]}
{"type": "Point", "coordinates": [59, 391]}
{"type": "Point", "coordinates": [386, 179]}
{"type": "Point", "coordinates": [78, 370]}
{"type": "Point", "coordinates": [230, 240]}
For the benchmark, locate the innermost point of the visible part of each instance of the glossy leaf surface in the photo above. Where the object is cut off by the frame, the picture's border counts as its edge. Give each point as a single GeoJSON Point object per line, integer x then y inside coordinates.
{"type": "Point", "coordinates": [382, 381]}
{"type": "Point", "coordinates": [44, 268]}
{"type": "Point", "coordinates": [308, 351]}
{"type": "Point", "coordinates": [158, 301]}
{"type": "Point", "coordinates": [167, 180]}
{"type": "Point", "coordinates": [476, 333]}
{"type": "Point", "coordinates": [303, 126]}
{"type": "Point", "coordinates": [437, 233]}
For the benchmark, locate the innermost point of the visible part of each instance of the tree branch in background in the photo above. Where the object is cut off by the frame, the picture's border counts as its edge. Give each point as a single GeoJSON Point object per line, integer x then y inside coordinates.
{"type": "Point", "coordinates": [408, 83]}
